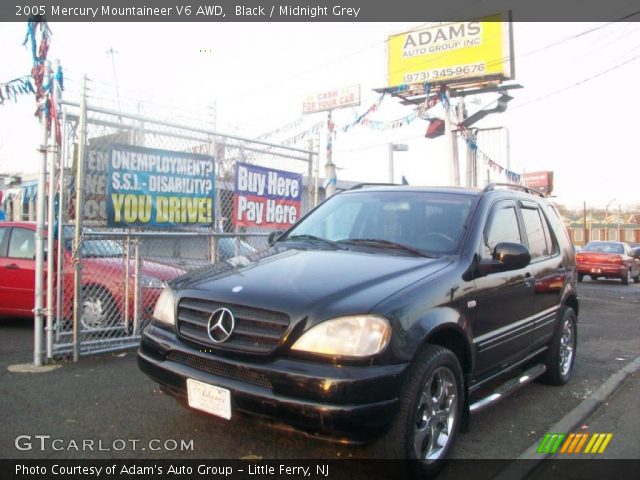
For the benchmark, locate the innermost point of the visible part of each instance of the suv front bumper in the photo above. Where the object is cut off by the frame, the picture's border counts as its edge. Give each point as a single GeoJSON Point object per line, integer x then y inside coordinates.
{"type": "Point", "coordinates": [344, 402]}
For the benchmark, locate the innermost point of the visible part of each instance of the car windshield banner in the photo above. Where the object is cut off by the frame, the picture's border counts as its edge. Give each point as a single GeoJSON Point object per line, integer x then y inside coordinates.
{"type": "Point", "coordinates": [158, 188]}
{"type": "Point", "coordinates": [264, 197]}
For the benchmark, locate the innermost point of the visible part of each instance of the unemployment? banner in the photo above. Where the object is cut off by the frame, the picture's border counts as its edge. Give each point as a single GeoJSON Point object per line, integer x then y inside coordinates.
{"type": "Point", "coordinates": [265, 197]}
{"type": "Point", "coordinates": [158, 188]}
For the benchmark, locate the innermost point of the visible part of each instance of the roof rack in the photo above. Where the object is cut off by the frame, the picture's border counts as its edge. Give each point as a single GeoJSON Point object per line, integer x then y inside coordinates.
{"type": "Point", "coordinates": [492, 186]}
{"type": "Point", "coordinates": [367, 184]}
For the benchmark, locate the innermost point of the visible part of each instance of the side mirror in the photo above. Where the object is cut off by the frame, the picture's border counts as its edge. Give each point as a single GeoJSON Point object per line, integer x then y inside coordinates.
{"type": "Point", "coordinates": [506, 256]}
{"type": "Point", "coordinates": [273, 236]}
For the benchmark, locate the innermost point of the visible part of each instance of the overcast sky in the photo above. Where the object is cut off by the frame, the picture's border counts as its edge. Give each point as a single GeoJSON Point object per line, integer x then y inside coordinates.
{"type": "Point", "coordinates": [258, 74]}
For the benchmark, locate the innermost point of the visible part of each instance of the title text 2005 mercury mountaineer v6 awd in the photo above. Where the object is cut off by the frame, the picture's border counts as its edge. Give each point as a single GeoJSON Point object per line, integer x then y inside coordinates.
{"type": "Point", "coordinates": [385, 311]}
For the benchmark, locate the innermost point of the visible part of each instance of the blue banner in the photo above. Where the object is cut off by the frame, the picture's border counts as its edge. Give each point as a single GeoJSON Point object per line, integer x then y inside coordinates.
{"type": "Point", "coordinates": [159, 188]}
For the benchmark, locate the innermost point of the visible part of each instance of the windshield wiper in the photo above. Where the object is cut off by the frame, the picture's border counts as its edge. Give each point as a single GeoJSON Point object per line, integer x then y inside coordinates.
{"type": "Point", "coordinates": [312, 238]}
{"type": "Point", "coordinates": [376, 242]}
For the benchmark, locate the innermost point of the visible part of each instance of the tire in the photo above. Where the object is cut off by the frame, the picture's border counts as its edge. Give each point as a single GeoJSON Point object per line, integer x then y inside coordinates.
{"type": "Point", "coordinates": [98, 308]}
{"type": "Point", "coordinates": [560, 358]}
{"type": "Point", "coordinates": [636, 279]}
{"type": "Point", "coordinates": [626, 278]}
{"type": "Point", "coordinates": [580, 277]}
{"type": "Point", "coordinates": [433, 382]}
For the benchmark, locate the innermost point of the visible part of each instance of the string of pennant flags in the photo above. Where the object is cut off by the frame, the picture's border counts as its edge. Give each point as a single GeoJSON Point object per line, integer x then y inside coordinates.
{"type": "Point", "coordinates": [11, 90]}
{"type": "Point", "coordinates": [313, 130]}
{"type": "Point", "coordinates": [422, 112]}
{"type": "Point", "coordinates": [46, 85]}
{"type": "Point", "coordinates": [284, 128]}
{"type": "Point", "coordinates": [470, 140]}
{"type": "Point", "coordinates": [419, 111]}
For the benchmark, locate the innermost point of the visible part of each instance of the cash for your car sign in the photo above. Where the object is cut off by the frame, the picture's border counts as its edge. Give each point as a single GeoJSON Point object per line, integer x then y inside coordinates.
{"type": "Point", "coordinates": [265, 197]}
{"type": "Point", "coordinates": [159, 188]}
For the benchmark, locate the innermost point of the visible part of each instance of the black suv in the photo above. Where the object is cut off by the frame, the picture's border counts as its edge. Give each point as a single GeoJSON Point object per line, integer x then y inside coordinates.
{"type": "Point", "coordinates": [385, 310]}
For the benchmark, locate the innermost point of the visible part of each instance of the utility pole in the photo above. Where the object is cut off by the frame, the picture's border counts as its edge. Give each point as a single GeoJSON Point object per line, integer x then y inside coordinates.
{"type": "Point", "coordinates": [453, 149]}
{"type": "Point", "coordinates": [112, 52]}
{"type": "Point", "coordinates": [619, 232]}
{"type": "Point", "coordinates": [395, 147]}
{"type": "Point", "coordinates": [214, 115]}
{"type": "Point", "coordinates": [472, 168]}
{"type": "Point", "coordinates": [584, 216]}
{"type": "Point", "coordinates": [606, 219]}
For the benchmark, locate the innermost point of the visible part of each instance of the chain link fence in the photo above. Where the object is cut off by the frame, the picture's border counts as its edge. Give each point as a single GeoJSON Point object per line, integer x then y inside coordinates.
{"type": "Point", "coordinates": [109, 278]}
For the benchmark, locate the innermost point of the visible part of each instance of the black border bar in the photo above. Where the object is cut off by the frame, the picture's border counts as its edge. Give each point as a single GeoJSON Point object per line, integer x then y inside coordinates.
{"type": "Point", "coordinates": [316, 10]}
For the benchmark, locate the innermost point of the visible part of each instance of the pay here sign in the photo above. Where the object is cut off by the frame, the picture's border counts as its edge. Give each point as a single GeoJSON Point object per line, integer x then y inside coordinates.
{"type": "Point", "coordinates": [160, 188]}
{"type": "Point", "coordinates": [265, 197]}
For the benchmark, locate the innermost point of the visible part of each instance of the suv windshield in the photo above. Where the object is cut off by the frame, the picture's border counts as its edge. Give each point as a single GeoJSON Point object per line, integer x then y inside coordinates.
{"type": "Point", "coordinates": [430, 223]}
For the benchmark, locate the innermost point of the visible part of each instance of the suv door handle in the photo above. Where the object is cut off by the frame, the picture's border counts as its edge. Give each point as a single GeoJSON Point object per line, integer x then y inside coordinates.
{"type": "Point", "coordinates": [12, 266]}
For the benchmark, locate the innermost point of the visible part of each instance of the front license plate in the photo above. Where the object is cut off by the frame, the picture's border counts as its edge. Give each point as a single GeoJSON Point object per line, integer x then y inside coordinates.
{"type": "Point", "coordinates": [596, 270]}
{"type": "Point", "coordinates": [209, 398]}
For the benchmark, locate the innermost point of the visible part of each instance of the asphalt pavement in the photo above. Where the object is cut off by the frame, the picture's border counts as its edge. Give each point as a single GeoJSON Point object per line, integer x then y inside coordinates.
{"type": "Point", "coordinates": [103, 403]}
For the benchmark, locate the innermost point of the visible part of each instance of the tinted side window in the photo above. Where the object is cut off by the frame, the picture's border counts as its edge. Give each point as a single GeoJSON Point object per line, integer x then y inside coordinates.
{"type": "Point", "coordinates": [503, 227]}
{"type": "Point", "coordinates": [552, 242]}
{"type": "Point", "coordinates": [533, 224]}
{"type": "Point", "coordinates": [558, 228]}
{"type": "Point", "coordinates": [22, 244]}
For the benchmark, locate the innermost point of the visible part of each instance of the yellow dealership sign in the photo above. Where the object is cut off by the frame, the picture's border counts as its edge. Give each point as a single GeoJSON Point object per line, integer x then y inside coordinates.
{"type": "Point", "coordinates": [452, 53]}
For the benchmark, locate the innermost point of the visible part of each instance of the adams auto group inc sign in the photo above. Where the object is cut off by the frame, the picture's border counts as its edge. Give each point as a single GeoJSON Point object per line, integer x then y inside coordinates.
{"type": "Point", "coordinates": [452, 52]}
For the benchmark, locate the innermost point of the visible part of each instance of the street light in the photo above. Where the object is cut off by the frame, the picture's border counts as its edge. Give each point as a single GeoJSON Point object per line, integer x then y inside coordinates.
{"type": "Point", "coordinates": [395, 147]}
{"type": "Point", "coordinates": [606, 216]}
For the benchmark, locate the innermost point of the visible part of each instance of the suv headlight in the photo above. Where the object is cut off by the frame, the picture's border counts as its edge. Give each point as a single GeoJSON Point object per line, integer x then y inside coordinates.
{"type": "Point", "coordinates": [353, 336]}
{"type": "Point", "coordinates": [165, 308]}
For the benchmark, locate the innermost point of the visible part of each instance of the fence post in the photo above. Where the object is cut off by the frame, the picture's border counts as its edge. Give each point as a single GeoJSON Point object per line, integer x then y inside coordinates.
{"type": "Point", "coordinates": [52, 151]}
{"type": "Point", "coordinates": [59, 252]}
{"type": "Point", "coordinates": [77, 253]}
{"type": "Point", "coordinates": [310, 181]}
{"type": "Point", "coordinates": [38, 350]}
{"type": "Point", "coordinates": [213, 248]}
{"type": "Point", "coordinates": [127, 264]}
{"type": "Point", "coordinates": [136, 288]}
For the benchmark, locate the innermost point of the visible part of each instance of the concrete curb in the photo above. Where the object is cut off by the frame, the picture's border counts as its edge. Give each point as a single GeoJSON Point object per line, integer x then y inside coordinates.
{"type": "Point", "coordinates": [569, 423]}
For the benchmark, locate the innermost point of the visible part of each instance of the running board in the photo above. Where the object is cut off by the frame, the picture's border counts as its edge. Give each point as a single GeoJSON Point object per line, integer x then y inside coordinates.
{"type": "Point", "coordinates": [508, 388]}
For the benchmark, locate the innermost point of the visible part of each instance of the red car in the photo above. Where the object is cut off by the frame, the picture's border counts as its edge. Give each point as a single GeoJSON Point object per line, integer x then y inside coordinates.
{"type": "Point", "coordinates": [103, 277]}
{"type": "Point", "coordinates": [609, 260]}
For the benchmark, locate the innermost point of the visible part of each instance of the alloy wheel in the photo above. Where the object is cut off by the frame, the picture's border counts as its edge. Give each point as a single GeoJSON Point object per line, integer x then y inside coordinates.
{"type": "Point", "coordinates": [566, 347]}
{"type": "Point", "coordinates": [436, 415]}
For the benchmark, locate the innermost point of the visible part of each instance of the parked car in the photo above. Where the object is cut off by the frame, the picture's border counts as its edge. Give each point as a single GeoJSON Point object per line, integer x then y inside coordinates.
{"type": "Point", "coordinates": [103, 277]}
{"type": "Point", "coordinates": [609, 260]}
{"type": "Point", "coordinates": [389, 312]}
{"type": "Point", "coordinates": [635, 248]}
{"type": "Point", "coordinates": [190, 252]}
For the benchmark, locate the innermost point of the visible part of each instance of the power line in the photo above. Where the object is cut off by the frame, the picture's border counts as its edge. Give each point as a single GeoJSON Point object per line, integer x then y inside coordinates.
{"type": "Point", "coordinates": [580, 82]}
{"type": "Point", "coordinates": [345, 57]}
